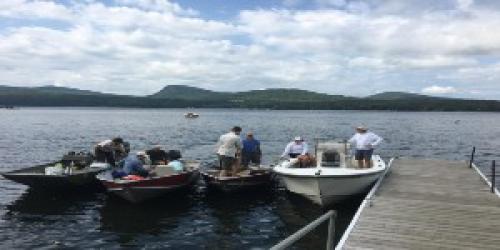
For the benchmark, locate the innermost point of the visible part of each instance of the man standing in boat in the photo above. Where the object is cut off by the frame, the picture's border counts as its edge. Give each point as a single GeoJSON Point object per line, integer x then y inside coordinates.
{"type": "Point", "coordinates": [229, 149]}
{"type": "Point", "coordinates": [251, 151]}
{"type": "Point", "coordinates": [109, 150]}
{"type": "Point", "coordinates": [365, 142]}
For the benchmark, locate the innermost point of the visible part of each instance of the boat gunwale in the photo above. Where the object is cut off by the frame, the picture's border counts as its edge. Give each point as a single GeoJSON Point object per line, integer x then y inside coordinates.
{"type": "Point", "coordinates": [231, 178]}
{"type": "Point", "coordinates": [24, 172]}
{"type": "Point", "coordinates": [125, 182]}
{"type": "Point", "coordinates": [330, 176]}
{"type": "Point", "coordinates": [117, 189]}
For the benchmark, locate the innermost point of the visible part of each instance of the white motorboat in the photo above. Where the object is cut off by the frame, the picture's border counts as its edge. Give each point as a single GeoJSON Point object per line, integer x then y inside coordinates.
{"type": "Point", "coordinates": [335, 176]}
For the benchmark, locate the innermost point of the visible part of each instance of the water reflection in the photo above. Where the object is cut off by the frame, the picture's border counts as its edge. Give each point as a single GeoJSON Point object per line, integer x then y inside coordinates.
{"type": "Point", "coordinates": [42, 202]}
{"type": "Point", "coordinates": [152, 217]}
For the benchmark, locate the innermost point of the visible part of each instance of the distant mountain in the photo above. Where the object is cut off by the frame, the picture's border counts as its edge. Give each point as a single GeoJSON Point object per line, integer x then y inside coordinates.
{"type": "Point", "coordinates": [49, 89]}
{"type": "Point", "coordinates": [179, 96]}
{"type": "Point", "coordinates": [285, 95]}
{"type": "Point", "coordinates": [182, 92]}
{"type": "Point", "coordinates": [398, 96]}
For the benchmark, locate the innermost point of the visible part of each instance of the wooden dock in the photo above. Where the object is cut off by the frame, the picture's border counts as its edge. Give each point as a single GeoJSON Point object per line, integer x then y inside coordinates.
{"type": "Point", "coordinates": [427, 204]}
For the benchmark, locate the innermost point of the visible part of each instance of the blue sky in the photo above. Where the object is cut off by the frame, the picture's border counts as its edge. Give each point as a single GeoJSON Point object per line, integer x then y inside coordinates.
{"type": "Point", "coordinates": [350, 47]}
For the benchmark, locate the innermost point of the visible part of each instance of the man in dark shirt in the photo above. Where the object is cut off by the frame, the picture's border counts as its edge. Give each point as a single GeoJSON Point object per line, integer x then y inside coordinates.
{"type": "Point", "coordinates": [110, 151]}
{"type": "Point", "coordinates": [251, 152]}
{"type": "Point", "coordinates": [158, 156]}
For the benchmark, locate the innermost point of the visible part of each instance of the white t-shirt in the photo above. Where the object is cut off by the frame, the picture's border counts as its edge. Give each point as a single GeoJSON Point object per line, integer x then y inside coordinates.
{"type": "Point", "coordinates": [294, 148]}
{"type": "Point", "coordinates": [105, 143]}
{"type": "Point", "coordinates": [365, 141]}
{"type": "Point", "coordinates": [229, 144]}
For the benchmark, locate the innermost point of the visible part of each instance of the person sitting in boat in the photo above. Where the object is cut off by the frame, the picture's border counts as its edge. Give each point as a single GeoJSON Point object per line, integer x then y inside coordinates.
{"type": "Point", "coordinates": [108, 150]}
{"type": "Point", "coordinates": [228, 150]}
{"type": "Point", "coordinates": [158, 156]}
{"type": "Point", "coordinates": [365, 142]}
{"type": "Point", "coordinates": [175, 162]}
{"type": "Point", "coordinates": [250, 153]}
{"type": "Point", "coordinates": [132, 165]}
{"type": "Point", "coordinates": [299, 149]}
{"type": "Point", "coordinates": [120, 155]}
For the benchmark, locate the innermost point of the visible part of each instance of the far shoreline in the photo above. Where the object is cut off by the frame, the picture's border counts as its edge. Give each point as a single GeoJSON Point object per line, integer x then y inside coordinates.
{"type": "Point", "coordinates": [241, 109]}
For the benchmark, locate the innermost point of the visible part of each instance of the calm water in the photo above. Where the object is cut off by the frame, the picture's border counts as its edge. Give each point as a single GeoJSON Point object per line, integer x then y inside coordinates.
{"type": "Point", "coordinates": [200, 219]}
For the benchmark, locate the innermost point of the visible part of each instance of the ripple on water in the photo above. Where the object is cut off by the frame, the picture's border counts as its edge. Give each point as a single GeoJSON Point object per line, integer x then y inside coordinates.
{"type": "Point", "coordinates": [199, 219]}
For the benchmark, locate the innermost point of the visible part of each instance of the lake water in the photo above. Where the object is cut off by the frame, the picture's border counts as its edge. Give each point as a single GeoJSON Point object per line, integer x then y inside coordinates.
{"type": "Point", "coordinates": [201, 219]}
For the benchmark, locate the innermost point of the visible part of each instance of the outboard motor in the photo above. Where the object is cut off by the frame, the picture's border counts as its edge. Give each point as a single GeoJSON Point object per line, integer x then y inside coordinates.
{"type": "Point", "coordinates": [77, 159]}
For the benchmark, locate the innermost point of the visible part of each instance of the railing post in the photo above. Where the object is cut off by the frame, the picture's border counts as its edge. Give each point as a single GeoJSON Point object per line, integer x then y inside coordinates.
{"type": "Point", "coordinates": [286, 243]}
{"type": "Point", "coordinates": [472, 156]}
{"type": "Point", "coordinates": [331, 231]}
{"type": "Point", "coordinates": [493, 168]}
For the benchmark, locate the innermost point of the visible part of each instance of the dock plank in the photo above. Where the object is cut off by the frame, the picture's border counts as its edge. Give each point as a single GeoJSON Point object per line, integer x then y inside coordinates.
{"type": "Point", "coordinates": [429, 204]}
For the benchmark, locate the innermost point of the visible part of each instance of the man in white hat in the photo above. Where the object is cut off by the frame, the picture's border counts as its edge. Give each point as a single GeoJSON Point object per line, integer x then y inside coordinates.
{"type": "Point", "coordinates": [296, 148]}
{"type": "Point", "coordinates": [364, 142]}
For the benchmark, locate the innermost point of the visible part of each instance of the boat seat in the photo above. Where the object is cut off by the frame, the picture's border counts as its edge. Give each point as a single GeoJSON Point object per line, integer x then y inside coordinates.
{"type": "Point", "coordinates": [164, 170]}
{"type": "Point", "coordinates": [342, 148]}
{"type": "Point", "coordinates": [330, 159]}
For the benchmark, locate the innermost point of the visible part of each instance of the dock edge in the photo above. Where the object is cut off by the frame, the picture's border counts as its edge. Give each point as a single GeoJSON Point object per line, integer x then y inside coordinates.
{"type": "Point", "coordinates": [366, 201]}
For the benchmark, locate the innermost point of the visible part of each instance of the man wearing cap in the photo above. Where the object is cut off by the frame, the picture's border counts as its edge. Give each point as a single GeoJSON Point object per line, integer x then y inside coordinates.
{"type": "Point", "coordinates": [228, 150]}
{"type": "Point", "coordinates": [365, 142]}
{"type": "Point", "coordinates": [299, 149]}
{"type": "Point", "coordinates": [251, 151]}
{"type": "Point", "coordinates": [296, 148]}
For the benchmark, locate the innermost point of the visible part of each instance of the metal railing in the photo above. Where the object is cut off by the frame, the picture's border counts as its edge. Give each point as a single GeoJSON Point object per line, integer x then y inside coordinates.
{"type": "Point", "coordinates": [331, 215]}
{"type": "Point", "coordinates": [471, 161]}
{"type": "Point", "coordinates": [493, 176]}
{"type": "Point", "coordinates": [492, 181]}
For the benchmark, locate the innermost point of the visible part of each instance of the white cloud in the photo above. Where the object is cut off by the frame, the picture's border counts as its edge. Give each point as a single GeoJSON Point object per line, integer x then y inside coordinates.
{"type": "Point", "coordinates": [439, 90]}
{"type": "Point", "coordinates": [464, 5]}
{"type": "Point", "coordinates": [34, 9]}
{"type": "Point", "coordinates": [158, 5]}
{"type": "Point", "coordinates": [136, 47]}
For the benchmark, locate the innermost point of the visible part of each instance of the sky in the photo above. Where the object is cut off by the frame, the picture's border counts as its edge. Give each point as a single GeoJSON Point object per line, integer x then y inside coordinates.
{"type": "Point", "coordinates": [350, 47]}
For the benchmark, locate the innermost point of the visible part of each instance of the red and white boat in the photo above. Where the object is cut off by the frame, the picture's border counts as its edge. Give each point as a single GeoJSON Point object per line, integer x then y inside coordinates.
{"type": "Point", "coordinates": [165, 180]}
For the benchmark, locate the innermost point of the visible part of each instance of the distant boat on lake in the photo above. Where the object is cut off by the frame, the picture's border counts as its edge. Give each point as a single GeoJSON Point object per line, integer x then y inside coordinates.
{"type": "Point", "coordinates": [191, 115]}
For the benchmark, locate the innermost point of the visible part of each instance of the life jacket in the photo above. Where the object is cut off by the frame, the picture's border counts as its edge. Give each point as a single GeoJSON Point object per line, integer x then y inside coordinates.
{"type": "Point", "coordinates": [133, 178]}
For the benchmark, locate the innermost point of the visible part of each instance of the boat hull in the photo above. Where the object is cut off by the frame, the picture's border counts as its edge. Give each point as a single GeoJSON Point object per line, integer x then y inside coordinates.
{"type": "Point", "coordinates": [139, 191]}
{"type": "Point", "coordinates": [330, 185]}
{"type": "Point", "coordinates": [325, 191]}
{"type": "Point", "coordinates": [236, 184]}
{"type": "Point", "coordinates": [35, 177]}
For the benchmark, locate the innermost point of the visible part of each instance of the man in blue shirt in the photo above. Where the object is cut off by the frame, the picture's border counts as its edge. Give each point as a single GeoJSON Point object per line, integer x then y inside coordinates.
{"type": "Point", "coordinates": [251, 151]}
{"type": "Point", "coordinates": [132, 165]}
